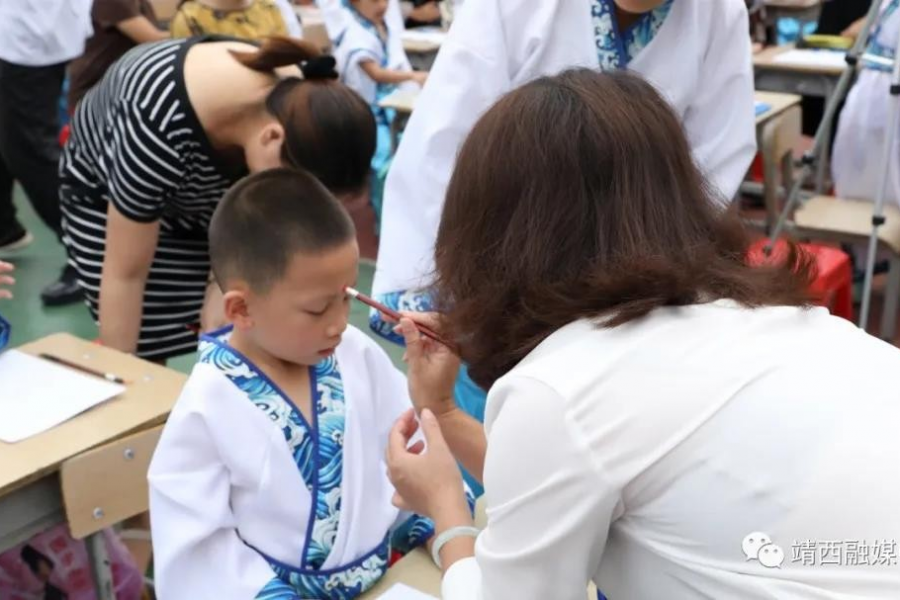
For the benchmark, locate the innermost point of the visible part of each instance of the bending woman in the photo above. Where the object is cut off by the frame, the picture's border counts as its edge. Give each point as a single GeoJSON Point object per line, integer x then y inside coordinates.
{"type": "Point", "coordinates": [154, 147]}
{"type": "Point", "coordinates": [662, 418]}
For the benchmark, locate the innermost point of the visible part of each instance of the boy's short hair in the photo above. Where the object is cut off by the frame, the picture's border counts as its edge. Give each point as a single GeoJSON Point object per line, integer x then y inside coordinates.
{"type": "Point", "coordinates": [267, 218]}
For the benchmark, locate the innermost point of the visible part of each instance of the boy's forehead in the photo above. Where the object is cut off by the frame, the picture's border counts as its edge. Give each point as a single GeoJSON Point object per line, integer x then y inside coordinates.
{"type": "Point", "coordinates": [323, 271]}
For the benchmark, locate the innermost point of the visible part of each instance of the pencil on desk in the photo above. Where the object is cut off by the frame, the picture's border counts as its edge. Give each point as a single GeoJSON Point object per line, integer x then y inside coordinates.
{"type": "Point", "coordinates": [61, 361]}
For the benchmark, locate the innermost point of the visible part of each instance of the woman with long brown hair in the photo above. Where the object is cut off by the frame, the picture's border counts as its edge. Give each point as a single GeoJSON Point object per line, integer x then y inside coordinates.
{"type": "Point", "coordinates": [155, 146]}
{"type": "Point", "coordinates": [662, 419]}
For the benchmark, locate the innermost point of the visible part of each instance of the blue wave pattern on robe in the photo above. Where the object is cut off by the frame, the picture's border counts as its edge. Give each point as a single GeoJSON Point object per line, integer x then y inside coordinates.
{"type": "Point", "coordinates": [318, 453]}
{"type": "Point", "coordinates": [5, 329]}
{"type": "Point", "coordinates": [319, 459]}
{"type": "Point", "coordinates": [616, 49]}
{"type": "Point", "coordinates": [875, 47]}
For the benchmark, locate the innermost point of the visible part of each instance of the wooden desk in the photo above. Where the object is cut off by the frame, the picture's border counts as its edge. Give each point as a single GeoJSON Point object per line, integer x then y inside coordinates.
{"type": "Point", "coordinates": [777, 132]}
{"type": "Point", "coordinates": [804, 80]}
{"type": "Point", "coordinates": [778, 102]}
{"type": "Point", "coordinates": [30, 499]}
{"type": "Point", "coordinates": [403, 102]}
{"type": "Point", "coordinates": [421, 52]}
{"type": "Point", "coordinates": [418, 571]}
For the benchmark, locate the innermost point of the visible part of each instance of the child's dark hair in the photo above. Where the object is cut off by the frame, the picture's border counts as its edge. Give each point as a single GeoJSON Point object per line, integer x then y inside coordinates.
{"type": "Point", "coordinates": [329, 129]}
{"type": "Point", "coordinates": [33, 558]}
{"type": "Point", "coordinates": [267, 218]}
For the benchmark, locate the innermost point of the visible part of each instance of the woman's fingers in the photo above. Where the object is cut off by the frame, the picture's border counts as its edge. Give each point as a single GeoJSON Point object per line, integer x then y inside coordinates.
{"type": "Point", "coordinates": [434, 437]}
{"type": "Point", "coordinates": [400, 503]}
{"type": "Point", "coordinates": [6, 267]}
{"type": "Point", "coordinates": [398, 439]}
{"type": "Point", "coordinates": [7, 280]}
{"type": "Point", "coordinates": [6, 294]}
{"type": "Point", "coordinates": [412, 337]}
{"type": "Point", "coordinates": [432, 320]}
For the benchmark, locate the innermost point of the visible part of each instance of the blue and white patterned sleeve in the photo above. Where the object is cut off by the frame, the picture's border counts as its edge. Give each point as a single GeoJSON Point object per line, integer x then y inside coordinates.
{"type": "Point", "coordinates": [409, 301]}
{"type": "Point", "coordinates": [277, 589]}
{"type": "Point", "coordinates": [411, 534]}
{"type": "Point", "coordinates": [417, 530]}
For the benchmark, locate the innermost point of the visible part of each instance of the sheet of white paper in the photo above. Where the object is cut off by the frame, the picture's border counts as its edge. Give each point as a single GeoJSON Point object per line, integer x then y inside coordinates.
{"type": "Point", "coordinates": [431, 36]}
{"type": "Point", "coordinates": [36, 394]}
{"type": "Point", "coordinates": [812, 58]}
{"type": "Point", "coordinates": [403, 592]}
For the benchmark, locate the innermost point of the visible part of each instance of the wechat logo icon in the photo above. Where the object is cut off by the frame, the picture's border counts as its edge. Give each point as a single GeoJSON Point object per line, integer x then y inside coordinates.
{"type": "Point", "coordinates": [759, 547]}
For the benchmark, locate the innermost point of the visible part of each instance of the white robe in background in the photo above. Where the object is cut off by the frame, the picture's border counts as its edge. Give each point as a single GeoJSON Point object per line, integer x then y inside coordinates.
{"type": "Point", "coordinates": [700, 60]}
{"type": "Point", "coordinates": [225, 488]}
{"type": "Point", "coordinates": [858, 156]}
{"type": "Point", "coordinates": [337, 16]}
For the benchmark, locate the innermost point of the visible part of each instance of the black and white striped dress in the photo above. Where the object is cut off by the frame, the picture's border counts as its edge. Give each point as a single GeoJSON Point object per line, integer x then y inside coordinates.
{"type": "Point", "coordinates": [136, 141]}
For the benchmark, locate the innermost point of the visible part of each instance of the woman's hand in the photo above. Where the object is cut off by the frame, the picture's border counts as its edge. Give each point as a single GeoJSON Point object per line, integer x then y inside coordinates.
{"type": "Point", "coordinates": [419, 77]}
{"type": "Point", "coordinates": [5, 267]}
{"type": "Point", "coordinates": [425, 475]}
{"type": "Point", "coordinates": [855, 29]}
{"type": "Point", "coordinates": [432, 367]}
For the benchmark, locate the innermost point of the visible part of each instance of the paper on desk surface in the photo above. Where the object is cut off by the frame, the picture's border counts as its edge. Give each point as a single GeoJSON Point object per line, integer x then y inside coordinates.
{"type": "Point", "coordinates": [433, 36]}
{"type": "Point", "coordinates": [403, 592]}
{"type": "Point", "coordinates": [813, 58]}
{"type": "Point", "coordinates": [37, 395]}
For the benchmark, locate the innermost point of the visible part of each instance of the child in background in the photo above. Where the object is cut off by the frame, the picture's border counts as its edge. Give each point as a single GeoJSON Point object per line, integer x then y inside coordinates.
{"type": "Point", "coordinates": [371, 60]}
{"type": "Point", "coordinates": [246, 19]}
{"type": "Point", "coordinates": [119, 26]}
{"type": "Point", "coordinates": [422, 13]}
{"type": "Point", "coordinates": [269, 480]}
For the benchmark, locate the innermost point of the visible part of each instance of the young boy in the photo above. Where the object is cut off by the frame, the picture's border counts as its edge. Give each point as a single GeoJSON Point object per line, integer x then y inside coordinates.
{"type": "Point", "coordinates": [269, 479]}
{"type": "Point", "coordinates": [371, 61]}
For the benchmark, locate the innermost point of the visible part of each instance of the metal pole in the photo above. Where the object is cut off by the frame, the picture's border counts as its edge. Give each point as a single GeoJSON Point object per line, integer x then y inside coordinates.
{"type": "Point", "coordinates": [878, 210]}
{"type": "Point", "coordinates": [823, 132]}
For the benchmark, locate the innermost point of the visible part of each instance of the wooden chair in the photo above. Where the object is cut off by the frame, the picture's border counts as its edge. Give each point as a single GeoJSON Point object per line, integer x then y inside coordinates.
{"type": "Point", "coordinates": [850, 221]}
{"type": "Point", "coordinates": [104, 487]}
{"type": "Point", "coordinates": [777, 139]}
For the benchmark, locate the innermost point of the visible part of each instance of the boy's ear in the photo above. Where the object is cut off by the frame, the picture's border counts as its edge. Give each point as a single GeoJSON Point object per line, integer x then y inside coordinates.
{"type": "Point", "coordinates": [236, 309]}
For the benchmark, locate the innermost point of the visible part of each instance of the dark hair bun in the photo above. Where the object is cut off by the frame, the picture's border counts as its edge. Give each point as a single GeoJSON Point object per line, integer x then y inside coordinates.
{"type": "Point", "coordinates": [320, 67]}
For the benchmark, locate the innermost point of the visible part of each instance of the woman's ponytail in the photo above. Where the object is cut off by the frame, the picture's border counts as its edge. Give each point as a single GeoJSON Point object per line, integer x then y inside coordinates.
{"type": "Point", "coordinates": [277, 51]}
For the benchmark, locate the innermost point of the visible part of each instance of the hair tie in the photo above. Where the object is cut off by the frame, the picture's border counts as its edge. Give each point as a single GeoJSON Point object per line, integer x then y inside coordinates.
{"type": "Point", "coordinates": [320, 67]}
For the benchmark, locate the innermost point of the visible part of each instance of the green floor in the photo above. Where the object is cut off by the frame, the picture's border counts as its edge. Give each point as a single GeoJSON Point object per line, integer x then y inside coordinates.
{"type": "Point", "coordinates": [40, 263]}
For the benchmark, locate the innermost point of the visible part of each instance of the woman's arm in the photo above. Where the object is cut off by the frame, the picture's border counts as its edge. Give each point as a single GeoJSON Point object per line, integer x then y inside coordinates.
{"type": "Point", "coordinates": [130, 247]}
{"type": "Point", "coordinates": [432, 370]}
{"type": "Point", "coordinates": [6, 267]}
{"type": "Point", "coordinates": [550, 503]}
{"type": "Point", "coordinates": [391, 76]}
{"type": "Point", "coordinates": [141, 30]}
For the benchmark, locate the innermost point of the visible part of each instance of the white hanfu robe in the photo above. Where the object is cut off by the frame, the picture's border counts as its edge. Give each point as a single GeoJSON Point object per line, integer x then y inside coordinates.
{"type": "Point", "coordinates": [700, 59]}
{"type": "Point", "coordinates": [248, 501]}
{"type": "Point", "coordinates": [361, 43]}
{"type": "Point", "coordinates": [337, 16]}
{"type": "Point", "coordinates": [858, 155]}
